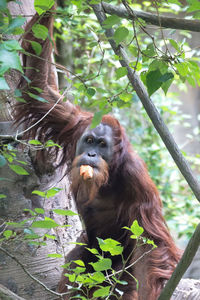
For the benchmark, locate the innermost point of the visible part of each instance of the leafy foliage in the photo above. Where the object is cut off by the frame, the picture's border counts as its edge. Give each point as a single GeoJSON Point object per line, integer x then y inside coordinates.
{"type": "Point", "coordinates": [103, 277]}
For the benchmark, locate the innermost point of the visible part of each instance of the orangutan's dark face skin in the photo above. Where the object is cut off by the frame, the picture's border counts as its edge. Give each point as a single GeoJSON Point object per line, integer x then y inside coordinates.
{"type": "Point", "coordinates": [95, 143]}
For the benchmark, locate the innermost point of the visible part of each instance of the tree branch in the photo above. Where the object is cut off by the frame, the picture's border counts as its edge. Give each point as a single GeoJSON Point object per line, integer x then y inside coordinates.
{"type": "Point", "coordinates": [182, 266]}
{"type": "Point", "coordinates": [167, 22]}
{"type": "Point", "coordinates": [150, 107]}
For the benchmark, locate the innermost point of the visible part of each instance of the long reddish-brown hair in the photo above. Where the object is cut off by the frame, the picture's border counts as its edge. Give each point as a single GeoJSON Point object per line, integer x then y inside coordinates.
{"type": "Point", "coordinates": [141, 201]}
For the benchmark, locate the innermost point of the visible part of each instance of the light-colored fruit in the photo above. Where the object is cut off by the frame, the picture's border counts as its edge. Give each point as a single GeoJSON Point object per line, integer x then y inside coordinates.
{"type": "Point", "coordinates": [86, 172]}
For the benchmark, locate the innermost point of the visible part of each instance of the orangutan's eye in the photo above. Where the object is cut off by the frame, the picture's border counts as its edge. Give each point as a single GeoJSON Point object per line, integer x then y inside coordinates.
{"type": "Point", "coordinates": [102, 143]}
{"type": "Point", "coordinates": [89, 140]}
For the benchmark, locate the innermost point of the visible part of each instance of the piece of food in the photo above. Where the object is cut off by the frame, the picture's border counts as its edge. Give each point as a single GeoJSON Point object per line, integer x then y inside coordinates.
{"type": "Point", "coordinates": [86, 172]}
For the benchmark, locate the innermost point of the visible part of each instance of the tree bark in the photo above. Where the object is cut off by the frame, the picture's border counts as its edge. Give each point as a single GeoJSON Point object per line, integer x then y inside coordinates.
{"type": "Point", "coordinates": [26, 270]}
{"type": "Point", "coordinates": [6, 294]}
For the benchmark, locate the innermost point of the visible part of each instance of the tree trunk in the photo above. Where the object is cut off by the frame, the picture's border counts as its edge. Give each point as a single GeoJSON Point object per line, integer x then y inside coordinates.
{"type": "Point", "coordinates": [16, 254]}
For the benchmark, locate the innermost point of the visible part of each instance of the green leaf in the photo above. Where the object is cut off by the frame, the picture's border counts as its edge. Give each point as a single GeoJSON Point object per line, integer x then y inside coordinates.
{"type": "Point", "coordinates": [102, 292]}
{"type": "Point", "coordinates": [35, 142]}
{"type": "Point", "coordinates": [52, 237]}
{"type": "Point", "coordinates": [3, 161]}
{"type": "Point", "coordinates": [133, 50]}
{"type": "Point", "coordinates": [151, 242]}
{"type": "Point", "coordinates": [93, 44]}
{"type": "Point", "coordinates": [79, 263]}
{"type": "Point", "coordinates": [97, 119]}
{"type": "Point", "coordinates": [191, 81]}
{"type": "Point", "coordinates": [136, 229]}
{"type": "Point", "coordinates": [92, 2]}
{"type": "Point", "coordinates": [72, 277]}
{"type": "Point", "coordinates": [102, 265]}
{"type": "Point", "coordinates": [120, 34]}
{"type": "Point", "coordinates": [152, 81]}
{"type": "Point", "coordinates": [182, 68]}
{"type": "Point", "coordinates": [44, 224]}
{"type": "Point", "coordinates": [64, 212]}
{"type": "Point", "coordinates": [175, 45]}
{"type": "Point", "coordinates": [52, 192]}
{"type": "Point", "coordinates": [167, 76]}
{"type": "Point", "coordinates": [3, 70]}
{"type": "Point", "coordinates": [39, 210]}
{"type": "Point", "coordinates": [14, 24]}
{"type": "Point", "coordinates": [42, 6]}
{"type": "Point", "coordinates": [36, 97]}
{"type": "Point", "coordinates": [193, 5]}
{"type": "Point", "coordinates": [158, 64]}
{"type": "Point", "coordinates": [55, 255]}
{"type": "Point", "coordinates": [26, 78]}
{"type": "Point", "coordinates": [36, 47]}
{"type": "Point", "coordinates": [111, 20]}
{"type": "Point", "coordinates": [32, 236]}
{"type": "Point", "coordinates": [149, 52]}
{"type": "Point", "coordinates": [37, 243]}
{"type": "Point", "coordinates": [39, 90]}
{"type": "Point", "coordinates": [126, 97]}
{"type": "Point", "coordinates": [17, 93]}
{"type": "Point", "coordinates": [93, 251]}
{"type": "Point", "coordinates": [40, 31]}
{"type": "Point", "coordinates": [165, 86]}
{"type": "Point", "coordinates": [22, 162]}
{"type": "Point", "coordinates": [50, 143]}
{"type": "Point", "coordinates": [30, 211]}
{"type": "Point", "coordinates": [98, 277]}
{"type": "Point", "coordinates": [2, 196]}
{"type": "Point", "coordinates": [91, 92]}
{"type": "Point", "coordinates": [20, 224]}
{"type": "Point", "coordinates": [7, 233]}
{"type": "Point", "coordinates": [10, 60]}
{"type": "Point", "coordinates": [12, 45]}
{"type": "Point", "coordinates": [39, 193]}
{"type": "Point", "coordinates": [18, 170]}
{"type": "Point", "coordinates": [196, 15]}
{"type": "Point", "coordinates": [111, 246]}
{"type": "Point", "coordinates": [120, 72]}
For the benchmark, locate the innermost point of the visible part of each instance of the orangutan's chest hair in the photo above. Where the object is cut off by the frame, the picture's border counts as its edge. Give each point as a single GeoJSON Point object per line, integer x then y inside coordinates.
{"type": "Point", "coordinates": [102, 210]}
